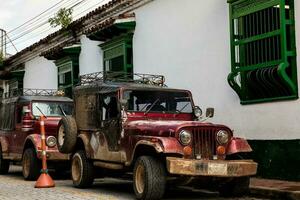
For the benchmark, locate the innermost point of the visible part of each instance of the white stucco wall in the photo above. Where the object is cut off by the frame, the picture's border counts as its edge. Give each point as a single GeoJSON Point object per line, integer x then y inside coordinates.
{"type": "Point", "coordinates": [188, 42]}
{"type": "Point", "coordinates": [90, 58]}
{"type": "Point", "coordinates": [40, 73]}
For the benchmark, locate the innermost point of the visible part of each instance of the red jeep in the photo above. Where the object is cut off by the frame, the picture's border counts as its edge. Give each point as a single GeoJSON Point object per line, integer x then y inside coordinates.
{"type": "Point", "coordinates": [138, 125]}
{"type": "Point", "coordinates": [20, 139]}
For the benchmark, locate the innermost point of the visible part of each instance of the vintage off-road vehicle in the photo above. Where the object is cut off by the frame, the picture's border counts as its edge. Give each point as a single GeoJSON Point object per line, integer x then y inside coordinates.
{"type": "Point", "coordinates": [20, 140]}
{"type": "Point", "coordinates": [138, 125]}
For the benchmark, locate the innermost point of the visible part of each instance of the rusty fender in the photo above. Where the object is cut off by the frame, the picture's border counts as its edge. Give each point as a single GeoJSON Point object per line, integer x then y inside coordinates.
{"type": "Point", "coordinates": [162, 144]}
{"type": "Point", "coordinates": [237, 145]}
{"type": "Point", "coordinates": [85, 138]}
{"type": "Point", "coordinates": [4, 144]}
{"type": "Point", "coordinates": [35, 140]}
{"type": "Point", "coordinates": [166, 145]}
{"type": "Point", "coordinates": [52, 153]}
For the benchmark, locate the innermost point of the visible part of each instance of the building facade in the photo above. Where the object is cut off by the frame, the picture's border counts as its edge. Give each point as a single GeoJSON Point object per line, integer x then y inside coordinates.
{"type": "Point", "coordinates": [237, 56]}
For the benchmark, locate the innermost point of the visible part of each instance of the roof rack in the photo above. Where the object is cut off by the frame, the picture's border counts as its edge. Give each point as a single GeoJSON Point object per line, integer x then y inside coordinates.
{"type": "Point", "coordinates": [31, 92]}
{"type": "Point", "coordinates": [149, 79]}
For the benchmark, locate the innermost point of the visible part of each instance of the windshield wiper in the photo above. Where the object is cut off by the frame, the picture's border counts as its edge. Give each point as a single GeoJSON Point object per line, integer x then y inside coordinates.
{"type": "Point", "coordinates": [153, 104]}
{"type": "Point", "coordinates": [61, 110]}
{"type": "Point", "coordinates": [145, 106]}
{"type": "Point", "coordinates": [41, 111]}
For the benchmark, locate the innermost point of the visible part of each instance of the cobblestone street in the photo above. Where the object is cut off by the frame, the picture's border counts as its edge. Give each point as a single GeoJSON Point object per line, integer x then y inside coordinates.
{"type": "Point", "coordinates": [13, 187]}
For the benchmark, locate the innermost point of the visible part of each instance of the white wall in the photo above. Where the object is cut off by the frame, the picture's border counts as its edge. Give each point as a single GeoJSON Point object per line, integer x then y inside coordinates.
{"type": "Point", "coordinates": [188, 42]}
{"type": "Point", "coordinates": [40, 73]}
{"type": "Point", "coordinates": [90, 58]}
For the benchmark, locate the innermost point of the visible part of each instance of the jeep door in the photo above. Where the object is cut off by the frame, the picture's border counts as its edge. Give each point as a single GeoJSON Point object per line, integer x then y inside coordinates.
{"type": "Point", "coordinates": [7, 123]}
{"type": "Point", "coordinates": [110, 119]}
{"type": "Point", "coordinates": [19, 134]}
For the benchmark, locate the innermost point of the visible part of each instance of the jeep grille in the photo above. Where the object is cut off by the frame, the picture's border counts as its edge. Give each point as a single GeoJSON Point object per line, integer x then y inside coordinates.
{"type": "Point", "coordinates": [204, 142]}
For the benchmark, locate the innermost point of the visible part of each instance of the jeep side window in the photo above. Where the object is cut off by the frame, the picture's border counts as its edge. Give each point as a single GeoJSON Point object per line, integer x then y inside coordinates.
{"type": "Point", "coordinates": [109, 107]}
{"type": "Point", "coordinates": [7, 116]}
{"type": "Point", "coordinates": [19, 114]}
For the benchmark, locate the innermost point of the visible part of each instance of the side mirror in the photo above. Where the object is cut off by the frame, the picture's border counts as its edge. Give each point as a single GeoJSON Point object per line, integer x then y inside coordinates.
{"type": "Point", "coordinates": [210, 112]}
{"type": "Point", "coordinates": [26, 109]}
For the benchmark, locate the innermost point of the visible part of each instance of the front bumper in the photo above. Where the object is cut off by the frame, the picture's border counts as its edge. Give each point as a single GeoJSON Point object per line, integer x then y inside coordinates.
{"type": "Point", "coordinates": [54, 155]}
{"type": "Point", "coordinates": [216, 168]}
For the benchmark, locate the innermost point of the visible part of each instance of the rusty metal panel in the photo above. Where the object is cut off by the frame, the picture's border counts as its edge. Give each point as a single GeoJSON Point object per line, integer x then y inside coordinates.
{"type": "Point", "coordinates": [87, 112]}
{"type": "Point", "coordinates": [204, 141]}
{"type": "Point", "coordinates": [217, 168]}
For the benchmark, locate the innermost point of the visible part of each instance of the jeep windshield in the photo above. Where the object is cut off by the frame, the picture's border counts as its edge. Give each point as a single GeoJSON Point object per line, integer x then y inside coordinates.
{"type": "Point", "coordinates": [158, 101]}
{"type": "Point", "coordinates": [52, 109]}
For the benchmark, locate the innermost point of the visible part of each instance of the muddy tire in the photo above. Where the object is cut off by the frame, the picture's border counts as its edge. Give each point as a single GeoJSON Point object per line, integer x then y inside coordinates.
{"type": "Point", "coordinates": [4, 164]}
{"type": "Point", "coordinates": [67, 134]}
{"type": "Point", "coordinates": [149, 178]}
{"type": "Point", "coordinates": [82, 170]}
{"type": "Point", "coordinates": [31, 165]}
{"type": "Point", "coordinates": [235, 188]}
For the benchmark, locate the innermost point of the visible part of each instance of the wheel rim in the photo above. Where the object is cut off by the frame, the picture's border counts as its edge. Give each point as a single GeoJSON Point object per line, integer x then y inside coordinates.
{"type": "Point", "coordinates": [76, 168]}
{"type": "Point", "coordinates": [61, 135]}
{"type": "Point", "coordinates": [140, 178]}
{"type": "Point", "coordinates": [26, 165]}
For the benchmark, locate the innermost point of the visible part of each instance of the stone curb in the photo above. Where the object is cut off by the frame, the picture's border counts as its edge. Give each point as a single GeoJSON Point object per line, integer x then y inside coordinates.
{"type": "Point", "coordinates": [275, 193]}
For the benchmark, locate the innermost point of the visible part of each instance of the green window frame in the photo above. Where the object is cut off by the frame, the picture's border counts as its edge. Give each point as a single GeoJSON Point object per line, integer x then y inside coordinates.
{"type": "Point", "coordinates": [67, 63]}
{"type": "Point", "coordinates": [67, 74]}
{"type": "Point", "coordinates": [64, 79]}
{"type": "Point", "coordinates": [117, 55]}
{"type": "Point", "coordinates": [263, 50]}
{"type": "Point", "coordinates": [15, 83]}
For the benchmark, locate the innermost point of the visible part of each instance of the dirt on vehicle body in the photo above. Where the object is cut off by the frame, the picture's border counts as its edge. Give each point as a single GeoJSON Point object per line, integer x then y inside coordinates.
{"type": "Point", "coordinates": [154, 131]}
{"type": "Point", "coordinates": [20, 139]}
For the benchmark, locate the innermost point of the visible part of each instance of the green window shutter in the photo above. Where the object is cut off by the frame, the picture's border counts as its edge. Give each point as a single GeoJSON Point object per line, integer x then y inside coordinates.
{"type": "Point", "coordinates": [66, 76]}
{"type": "Point", "coordinates": [263, 50]}
{"type": "Point", "coordinates": [67, 63]}
{"type": "Point", "coordinates": [16, 80]}
{"type": "Point", "coordinates": [117, 54]}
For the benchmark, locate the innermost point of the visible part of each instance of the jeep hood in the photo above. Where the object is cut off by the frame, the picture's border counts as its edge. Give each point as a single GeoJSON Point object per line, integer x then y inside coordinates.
{"type": "Point", "coordinates": [157, 126]}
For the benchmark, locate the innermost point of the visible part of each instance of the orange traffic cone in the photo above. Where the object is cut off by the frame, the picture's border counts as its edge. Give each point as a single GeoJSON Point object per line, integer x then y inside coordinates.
{"type": "Point", "coordinates": [45, 180]}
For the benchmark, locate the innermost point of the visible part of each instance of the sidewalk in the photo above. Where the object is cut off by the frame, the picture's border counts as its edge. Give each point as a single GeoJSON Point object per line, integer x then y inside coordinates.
{"type": "Point", "coordinates": [276, 189]}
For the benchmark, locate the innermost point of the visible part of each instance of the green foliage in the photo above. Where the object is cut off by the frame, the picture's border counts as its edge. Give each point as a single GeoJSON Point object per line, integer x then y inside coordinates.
{"type": "Point", "coordinates": [62, 18]}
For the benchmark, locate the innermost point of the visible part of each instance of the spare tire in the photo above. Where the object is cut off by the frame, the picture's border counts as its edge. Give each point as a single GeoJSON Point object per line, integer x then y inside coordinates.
{"type": "Point", "coordinates": [67, 134]}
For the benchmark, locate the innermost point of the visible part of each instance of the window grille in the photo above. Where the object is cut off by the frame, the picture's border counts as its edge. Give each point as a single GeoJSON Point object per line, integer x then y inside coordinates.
{"type": "Point", "coordinates": [263, 50]}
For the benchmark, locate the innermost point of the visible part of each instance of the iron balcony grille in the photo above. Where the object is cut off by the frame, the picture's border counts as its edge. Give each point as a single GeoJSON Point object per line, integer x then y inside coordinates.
{"type": "Point", "coordinates": [149, 79]}
{"type": "Point", "coordinates": [263, 50]}
{"type": "Point", "coordinates": [204, 142]}
{"type": "Point", "coordinates": [31, 92]}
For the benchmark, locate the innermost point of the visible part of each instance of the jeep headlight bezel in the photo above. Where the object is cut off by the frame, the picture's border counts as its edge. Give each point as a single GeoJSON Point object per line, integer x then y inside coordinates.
{"type": "Point", "coordinates": [197, 112]}
{"type": "Point", "coordinates": [223, 137]}
{"type": "Point", "coordinates": [185, 137]}
{"type": "Point", "coordinates": [51, 141]}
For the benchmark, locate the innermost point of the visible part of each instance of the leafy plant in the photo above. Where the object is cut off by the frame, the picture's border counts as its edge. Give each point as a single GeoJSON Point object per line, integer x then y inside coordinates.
{"type": "Point", "coordinates": [62, 18]}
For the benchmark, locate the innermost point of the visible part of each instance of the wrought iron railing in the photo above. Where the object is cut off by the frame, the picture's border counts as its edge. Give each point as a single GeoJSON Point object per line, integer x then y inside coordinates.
{"type": "Point", "coordinates": [31, 92]}
{"type": "Point", "coordinates": [263, 50]}
{"type": "Point", "coordinates": [149, 79]}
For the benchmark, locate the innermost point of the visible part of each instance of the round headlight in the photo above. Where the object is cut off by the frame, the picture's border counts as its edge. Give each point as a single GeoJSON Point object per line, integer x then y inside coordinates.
{"type": "Point", "coordinates": [197, 112]}
{"type": "Point", "coordinates": [185, 137]}
{"type": "Point", "coordinates": [51, 141]}
{"type": "Point", "coordinates": [222, 137]}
